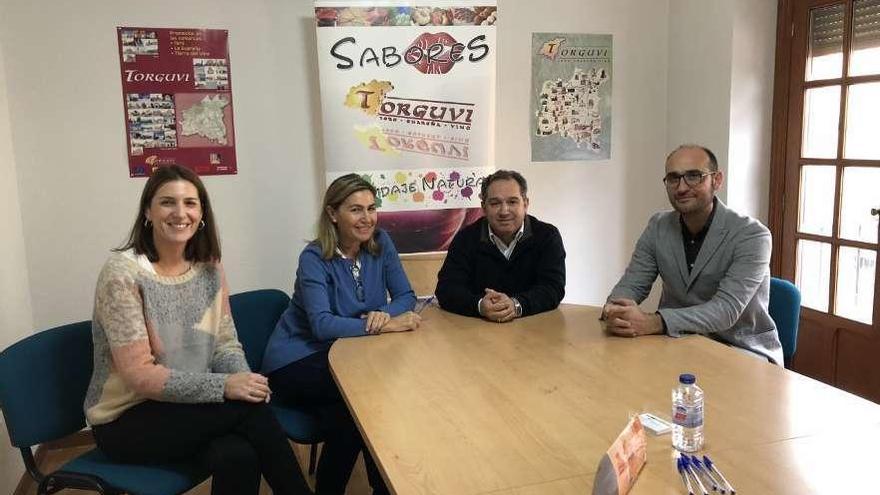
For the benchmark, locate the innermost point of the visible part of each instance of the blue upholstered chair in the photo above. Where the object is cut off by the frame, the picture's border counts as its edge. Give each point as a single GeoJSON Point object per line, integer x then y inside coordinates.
{"type": "Point", "coordinates": [255, 313]}
{"type": "Point", "coordinates": [43, 383]}
{"type": "Point", "coordinates": [785, 309]}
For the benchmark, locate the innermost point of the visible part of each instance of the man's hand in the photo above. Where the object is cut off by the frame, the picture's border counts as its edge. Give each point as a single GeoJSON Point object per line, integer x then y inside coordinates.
{"type": "Point", "coordinates": [624, 318]}
{"type": "Point", "coordinates": [497, 306]}
{"type": "Point", "coordinates": [247, 386]}
{"type": "Point", "coordinates": [402, 323]}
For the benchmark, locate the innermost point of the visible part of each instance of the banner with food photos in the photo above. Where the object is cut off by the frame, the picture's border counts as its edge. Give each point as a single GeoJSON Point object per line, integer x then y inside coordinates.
{"type": "Point", "coordinates": [177, 98]}
{"type": "Point", "coordinates": [408, 102]}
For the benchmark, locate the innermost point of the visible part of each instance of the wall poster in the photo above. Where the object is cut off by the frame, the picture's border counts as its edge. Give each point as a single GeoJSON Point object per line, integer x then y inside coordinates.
{"type": "Point", "coordinates": [177, 98]}
{"type": "Point", "coordinates": [571, 97]}
{"type": "Point", "coordinates": [408, 101]}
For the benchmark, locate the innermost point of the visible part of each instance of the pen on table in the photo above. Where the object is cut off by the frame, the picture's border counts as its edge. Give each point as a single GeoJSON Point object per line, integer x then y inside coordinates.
{"type": "Point", "coordinates": [684, 477]}
{"type": "Point", "coordinates": [425, 304]}
{"type": "Point", "coordinates": [713, 467]}
{"type": "Point", "coordinates": [708, 474]}
{"type": "Point", "coordinates": [690, 468]}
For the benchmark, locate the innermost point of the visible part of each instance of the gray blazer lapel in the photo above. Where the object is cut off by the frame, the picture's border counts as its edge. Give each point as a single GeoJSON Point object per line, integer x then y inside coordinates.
{"type": "Point", "coordinates": [714, 238]}
{"type": "Point", "coordinates": [675, 245]}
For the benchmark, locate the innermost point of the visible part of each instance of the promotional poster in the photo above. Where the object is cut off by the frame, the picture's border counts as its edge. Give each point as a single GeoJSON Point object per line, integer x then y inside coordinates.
{"type": "Point", "coordinates": [177, 98]}
{"type": "Point", "coordinates": [571, 97]}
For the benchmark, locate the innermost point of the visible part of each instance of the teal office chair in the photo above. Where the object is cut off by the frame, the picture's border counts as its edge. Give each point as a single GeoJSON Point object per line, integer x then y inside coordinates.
{"type": "Point", "coordinates": [785, 309]}
{"type": "Point", "coordinates": [43, 383]}
{"type": "Point", "coordinates": [255, 314]}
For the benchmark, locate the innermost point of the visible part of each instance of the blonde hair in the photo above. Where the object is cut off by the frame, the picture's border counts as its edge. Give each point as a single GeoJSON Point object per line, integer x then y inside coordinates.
{"type": "Point", "coordinates": [339, 190]}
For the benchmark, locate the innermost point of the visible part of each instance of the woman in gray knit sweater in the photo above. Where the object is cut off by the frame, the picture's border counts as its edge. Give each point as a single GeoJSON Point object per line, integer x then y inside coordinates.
{"type": "Point", "coordinates": [170, 380]}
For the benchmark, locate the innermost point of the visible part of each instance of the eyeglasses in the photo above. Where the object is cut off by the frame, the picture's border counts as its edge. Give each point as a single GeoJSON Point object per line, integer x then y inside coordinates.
{"type": "Point", "coordinates": [692, 178]}
{"type": "Point", "coordinates": [355, 268]}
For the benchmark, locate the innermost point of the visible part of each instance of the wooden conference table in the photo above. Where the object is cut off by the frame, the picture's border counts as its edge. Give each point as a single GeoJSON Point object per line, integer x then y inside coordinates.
{"type": "Point", "coordinates": [464, 406]}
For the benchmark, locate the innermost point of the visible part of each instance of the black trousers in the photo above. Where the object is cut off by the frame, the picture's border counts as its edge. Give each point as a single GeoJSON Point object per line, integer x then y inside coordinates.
{"type": "Point", "coordinates": [237, 441]}
{"type": "Point", "coordinates": [308, 383]}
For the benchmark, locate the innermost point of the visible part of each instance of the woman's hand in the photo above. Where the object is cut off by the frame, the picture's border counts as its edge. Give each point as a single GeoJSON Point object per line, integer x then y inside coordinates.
{"type": "Point", "coordinates": [403, 322]}
{"type": "Point", "coordinates": [248, 387]}
{"type": "Point", "coordinates": [375, 321]}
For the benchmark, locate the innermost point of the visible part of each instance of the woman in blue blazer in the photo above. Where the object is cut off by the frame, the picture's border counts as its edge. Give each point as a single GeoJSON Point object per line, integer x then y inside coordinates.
{"type": "Point", "coordinates": [349, 283]}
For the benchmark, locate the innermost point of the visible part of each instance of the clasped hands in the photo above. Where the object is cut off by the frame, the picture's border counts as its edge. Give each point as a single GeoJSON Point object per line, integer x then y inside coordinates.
{"type": "Point", "coordinates": [497, 306]}
{"type": "Point", "coordinates": [624, 318]}
{"type": "Point", "coordinates": [248, 387]}
{"type": "Point", "coordinates": [382, 322]}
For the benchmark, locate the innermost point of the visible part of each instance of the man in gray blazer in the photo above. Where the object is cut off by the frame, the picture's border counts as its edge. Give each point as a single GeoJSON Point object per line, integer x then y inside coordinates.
{"type": "Point", "coordinates": [714, 264]}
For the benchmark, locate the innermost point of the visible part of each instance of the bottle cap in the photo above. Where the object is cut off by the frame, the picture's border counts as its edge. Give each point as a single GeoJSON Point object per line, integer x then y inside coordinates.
{"type": "Point", "coordinates": [687, 378]}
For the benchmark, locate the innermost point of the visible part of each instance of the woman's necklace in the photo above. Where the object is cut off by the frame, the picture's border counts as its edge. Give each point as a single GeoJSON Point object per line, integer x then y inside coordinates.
{"type": "Point", "coordinates": [176, 271]}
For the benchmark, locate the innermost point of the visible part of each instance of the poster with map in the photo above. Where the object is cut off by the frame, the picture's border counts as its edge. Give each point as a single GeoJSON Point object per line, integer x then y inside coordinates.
{"type": "Point", "coordinates": [571, 97]}
{"type": "Point", "coordinates": [177, 99]}
{"type": "Point", "coordinates": [408, 103]}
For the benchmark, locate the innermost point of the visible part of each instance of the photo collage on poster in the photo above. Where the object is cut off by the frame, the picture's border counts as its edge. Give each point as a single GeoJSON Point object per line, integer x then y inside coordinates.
{"type": "Point", "coordinates": [138, 42]}
{"type": "Point", "coordinates": [211, 73]}
{"type": "Point", "coordinates": [151, 121]}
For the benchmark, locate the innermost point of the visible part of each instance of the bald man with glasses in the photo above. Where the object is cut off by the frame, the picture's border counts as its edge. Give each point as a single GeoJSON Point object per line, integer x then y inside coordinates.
{"type": "Point", "coordinates": [714, 263]}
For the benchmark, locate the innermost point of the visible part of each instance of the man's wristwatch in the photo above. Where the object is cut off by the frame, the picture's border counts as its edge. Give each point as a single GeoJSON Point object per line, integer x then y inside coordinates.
{"type": "Point", "coordinates": [517, 307]}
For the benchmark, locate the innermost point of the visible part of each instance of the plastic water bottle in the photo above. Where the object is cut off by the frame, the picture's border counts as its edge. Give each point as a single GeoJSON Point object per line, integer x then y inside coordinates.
{"type": "Point", "coordinates": [687, 414]}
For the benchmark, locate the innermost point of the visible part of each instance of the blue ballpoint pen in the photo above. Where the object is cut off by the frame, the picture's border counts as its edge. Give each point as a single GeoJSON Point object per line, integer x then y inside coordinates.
{"type": "Point", "coordinates": [708, 474]}
{"type": "Point", "coordinates": [712, 467]}
{"type": "Point", "coordinates": [690, 468]}
{"type": "Point", "coordinates": [684, 477]}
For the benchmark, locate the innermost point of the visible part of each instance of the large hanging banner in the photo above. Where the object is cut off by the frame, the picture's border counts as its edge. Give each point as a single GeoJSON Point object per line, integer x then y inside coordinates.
{"type": "Point", "coordinates": [571, 97]}
{"type": "Point", "coordinates": [177, 97]}
{"type": "Point", "coordinates": [408, 100]}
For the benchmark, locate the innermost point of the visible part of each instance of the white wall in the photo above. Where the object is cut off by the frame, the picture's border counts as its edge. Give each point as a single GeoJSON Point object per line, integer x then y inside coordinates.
{"type": "Point", "coordinates": [15, 301]}
{"type": "Point", "coordinates": [751, 106]}
{"type": "Point", "coordinates": [700, 33]}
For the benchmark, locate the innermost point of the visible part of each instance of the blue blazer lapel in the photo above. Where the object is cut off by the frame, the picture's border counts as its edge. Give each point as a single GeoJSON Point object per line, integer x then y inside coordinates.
{"type": "Point", "coordinates": [714, 239]}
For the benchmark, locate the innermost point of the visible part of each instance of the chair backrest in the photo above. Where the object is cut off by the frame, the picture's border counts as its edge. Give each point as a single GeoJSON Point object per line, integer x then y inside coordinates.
{"type": "Point", "coordinates": [785, 309]}
{"type": "Point", "coordinates": [421, 270]}
{"type": "Point", "coordinates": [43, 383]}
{"type": "Point", "coordinates": [255, 314]}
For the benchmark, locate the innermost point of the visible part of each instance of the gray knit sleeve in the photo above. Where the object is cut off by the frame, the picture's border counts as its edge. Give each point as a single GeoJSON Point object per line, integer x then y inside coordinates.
{"type": "Point", "coordinates": [189, 387]}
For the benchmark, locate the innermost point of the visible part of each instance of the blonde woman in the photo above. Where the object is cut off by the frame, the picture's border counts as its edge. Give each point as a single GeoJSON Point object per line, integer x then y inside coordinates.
{"type": "Point", "coordinates": [349, 283]}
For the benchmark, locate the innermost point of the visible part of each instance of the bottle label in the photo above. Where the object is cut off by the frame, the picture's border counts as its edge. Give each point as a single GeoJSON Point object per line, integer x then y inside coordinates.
{"type": "Point", "coordinates": [688, 417]}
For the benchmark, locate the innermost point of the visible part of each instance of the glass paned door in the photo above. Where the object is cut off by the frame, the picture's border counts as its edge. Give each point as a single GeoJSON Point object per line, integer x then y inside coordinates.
{"type": "Point", "coordinates": [831, 250]}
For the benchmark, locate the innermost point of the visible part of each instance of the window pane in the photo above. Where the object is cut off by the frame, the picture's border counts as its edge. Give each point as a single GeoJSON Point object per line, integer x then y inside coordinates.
{"type": "Point", "coordinates": [825, 60]}
{"type": "Point", "coordinates": [861, 192]}
{"type": "Point", "coordinates": [816, 212]}
{"type": "Point", "coordinates": [813, 273]}
{"type": "Point", "coordinates": [862, 122]}
{"type": "Point", "coordinates": [865, 56]}
{"type": "Point", "coordinates": [821, 115]}
{"type": "Point", "coordinates": [855, 284]}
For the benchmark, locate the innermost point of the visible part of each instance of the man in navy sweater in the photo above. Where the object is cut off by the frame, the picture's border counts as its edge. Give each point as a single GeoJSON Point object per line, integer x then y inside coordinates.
{"type": "Point", "coordinates": [507, 264]}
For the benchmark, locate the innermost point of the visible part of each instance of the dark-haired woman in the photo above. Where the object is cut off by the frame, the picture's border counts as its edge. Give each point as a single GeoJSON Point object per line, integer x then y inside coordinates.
{"type": "Point", "coordinates": [170, 380]}
{"type": "Point", "coordinates": [349, 283]}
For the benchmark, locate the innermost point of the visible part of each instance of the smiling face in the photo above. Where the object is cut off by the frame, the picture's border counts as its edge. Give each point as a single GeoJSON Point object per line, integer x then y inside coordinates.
{"type": "Point", "coordinates": [505, 208]}
{"type": "Point", "coordinates": [355, 219]}
{"type": "Point", "coordinates": [692, 199]}
{"type": "Point", "coordinates": [175, 212]}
